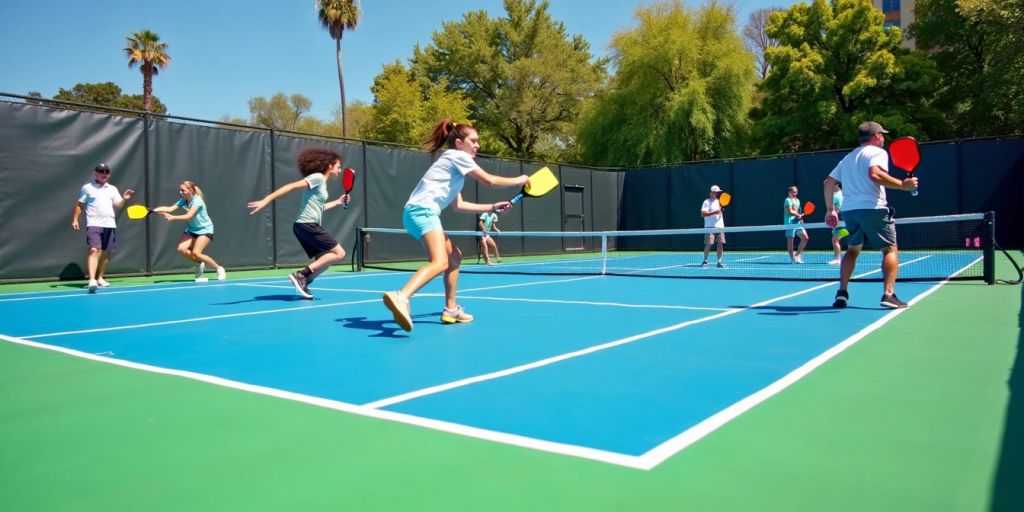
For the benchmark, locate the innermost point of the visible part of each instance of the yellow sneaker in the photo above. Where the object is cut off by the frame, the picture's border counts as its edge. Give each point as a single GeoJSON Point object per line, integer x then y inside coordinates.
{"type": "Point", "coordinates": [400, 309]}
{"type": "Point", "coordinates": [456, 316]}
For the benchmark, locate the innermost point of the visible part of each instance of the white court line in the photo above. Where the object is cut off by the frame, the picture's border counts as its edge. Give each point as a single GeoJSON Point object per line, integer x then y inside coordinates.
{"type": "Point", "coordinates": [184, 285]}
{"type": "Point", "coordinates": [198, 319]}
{"type": "Point", "coordinates": [752, 259]}
{"type": "Point", "coordinates": [444, 426]}
{"type": "Point", "coordinates": [592, 303]}
{"type": "Point", "coordinates": [664, 451]}
{"type": "Point", "coordinates": [645, 462]}
{"type": "Point", "coordinates": [412, 395]}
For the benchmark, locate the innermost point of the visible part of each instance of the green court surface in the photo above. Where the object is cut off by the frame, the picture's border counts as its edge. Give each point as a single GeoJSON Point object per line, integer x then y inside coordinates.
{"type": "Point", "coordinates": [925, 414]}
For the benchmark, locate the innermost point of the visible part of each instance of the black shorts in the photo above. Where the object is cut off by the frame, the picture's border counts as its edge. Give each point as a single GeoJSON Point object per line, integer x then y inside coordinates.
{"type": "Point", "coordinates": [197, 235]}
{"type": "Point", "coordinates": [313, 239]}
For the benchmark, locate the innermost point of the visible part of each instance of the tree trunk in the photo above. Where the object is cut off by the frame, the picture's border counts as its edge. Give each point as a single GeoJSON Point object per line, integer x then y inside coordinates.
{"type": "Point", "coordinates": [147, 89]}
{"type": "Point", "coordinates": [341, 87]}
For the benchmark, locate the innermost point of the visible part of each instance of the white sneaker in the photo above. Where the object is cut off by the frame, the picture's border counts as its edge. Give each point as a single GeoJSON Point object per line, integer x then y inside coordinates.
{"type": "Point", "coordinates": [102, 282]}
{"type": "Point", "coordinates": [92, 285]}
{"type": "Point", "coordinates": [799, 260]}
{"type": "Point", "coordinates": [400, 309]}
{"type": "Point", "coordinates": [221, 274]}
{"type": "Point", "coordinates": [200, 269]}
{"type": "Point", "coordinates": [835, 261]}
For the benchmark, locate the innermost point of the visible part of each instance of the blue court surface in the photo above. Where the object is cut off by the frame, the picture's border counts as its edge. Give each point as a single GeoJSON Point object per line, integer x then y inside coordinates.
{"type": "Point", "coordinates": [625, 370]}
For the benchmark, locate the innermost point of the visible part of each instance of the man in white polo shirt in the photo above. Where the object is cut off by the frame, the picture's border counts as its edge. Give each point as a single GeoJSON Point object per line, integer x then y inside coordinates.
{"type": "Point", "coordinates": [711, 210]}
{"type": "Point", "coordinates": [864, 174]}
{"type": "Point", "coordinates": [99, 198]}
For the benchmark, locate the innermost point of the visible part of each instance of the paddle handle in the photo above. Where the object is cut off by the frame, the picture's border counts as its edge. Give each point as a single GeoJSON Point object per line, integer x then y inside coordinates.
{"type": "Point", "coordinates": [913, 192]}
{"type": "Point", "coordinates": [517, 198]}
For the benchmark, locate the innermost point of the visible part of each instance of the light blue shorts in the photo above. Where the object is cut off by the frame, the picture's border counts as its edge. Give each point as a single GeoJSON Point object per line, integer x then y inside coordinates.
{"type": "Point", "coordinates": [419, 220]}
{"type": "Point", "coordinates": [795, 232]}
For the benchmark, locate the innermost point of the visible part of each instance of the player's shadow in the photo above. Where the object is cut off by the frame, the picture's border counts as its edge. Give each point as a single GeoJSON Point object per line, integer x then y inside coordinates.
{"type": "Point", "coordinates": [385, 327]}
{"type": "Point", "coordinates": [264, 298]}
{"type": "Point", "coordinates": [793, 310]}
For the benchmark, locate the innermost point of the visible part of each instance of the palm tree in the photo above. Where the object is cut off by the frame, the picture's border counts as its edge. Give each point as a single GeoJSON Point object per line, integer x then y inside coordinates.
{"type": "Point", "coordinates": [337, 16]}
{"type": "Point", "coordinates": [144, 48]}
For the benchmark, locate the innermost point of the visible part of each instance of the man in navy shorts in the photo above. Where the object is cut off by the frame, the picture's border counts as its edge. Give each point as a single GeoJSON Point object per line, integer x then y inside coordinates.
{"type": "Point", "coordinates": [864, 175]}
{"type": "Point", "coordinates": [99, 198]}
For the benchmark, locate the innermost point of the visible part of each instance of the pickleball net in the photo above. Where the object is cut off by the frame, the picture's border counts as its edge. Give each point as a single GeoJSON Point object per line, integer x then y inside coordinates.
{"type": "Point", "coordinates": [930, 248]}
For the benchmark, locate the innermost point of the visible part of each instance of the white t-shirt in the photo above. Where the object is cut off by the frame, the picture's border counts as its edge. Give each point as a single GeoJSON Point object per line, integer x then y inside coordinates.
{"type": "Point", "coordinates": [712, 221]}
{"type": "Point", "coordinates": [99, 204]}
{"type": "Point", "coordinates": [443, 181]}
{"type": "Point", "coordinates": [853, 171]}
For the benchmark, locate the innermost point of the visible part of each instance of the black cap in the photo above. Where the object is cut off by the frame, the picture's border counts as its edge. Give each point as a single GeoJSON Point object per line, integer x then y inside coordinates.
{"type": "Point", "coordinates": [101, 168]}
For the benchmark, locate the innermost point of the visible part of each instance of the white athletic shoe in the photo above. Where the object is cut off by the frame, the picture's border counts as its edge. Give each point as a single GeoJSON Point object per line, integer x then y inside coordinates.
{"type": "Point", "coordinates": [92, 285]}
{"type": "Point", "coordinates": [835, 261]}
{"type": "Point", "coordinates": [200, 269]}
{"type": "Point", "coordinates": [221, 274]}
{"type": "Point", "coordinates": [102, 282]}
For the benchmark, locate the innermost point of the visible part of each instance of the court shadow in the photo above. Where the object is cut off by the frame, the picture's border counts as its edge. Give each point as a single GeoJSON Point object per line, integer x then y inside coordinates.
{"type": "Point", "coordinates": [71, 271]}
{"type": "Point", "coordinates": [385, 328]}
{"type": "Point", "coordinates": [794, 310]}
{"type": "Point", "coordinates": [1008, 491]}
{"type": "Point", "coordinates": [80, 285]}
{"type": "Point", "coordinates": [262, 298]}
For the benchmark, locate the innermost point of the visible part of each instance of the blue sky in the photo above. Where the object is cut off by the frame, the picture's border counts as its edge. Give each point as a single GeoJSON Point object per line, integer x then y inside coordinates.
{"type": "Point", "coordinates": [226, 51]}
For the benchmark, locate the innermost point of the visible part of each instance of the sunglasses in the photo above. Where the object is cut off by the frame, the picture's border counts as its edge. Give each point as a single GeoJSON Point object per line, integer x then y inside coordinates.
{"type": "Point", "coordinates": [102, 172]}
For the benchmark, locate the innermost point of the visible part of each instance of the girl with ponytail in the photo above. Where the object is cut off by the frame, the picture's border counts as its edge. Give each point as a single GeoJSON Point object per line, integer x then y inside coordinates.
{"type": "Point", "coordinates": [199, 231]}
{"type": "Point", "coordinates": [440, 186]}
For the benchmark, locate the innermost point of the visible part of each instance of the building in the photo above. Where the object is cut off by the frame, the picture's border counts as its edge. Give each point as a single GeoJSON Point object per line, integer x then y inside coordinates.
{"type": "Point", "coordinates": [898, 13]}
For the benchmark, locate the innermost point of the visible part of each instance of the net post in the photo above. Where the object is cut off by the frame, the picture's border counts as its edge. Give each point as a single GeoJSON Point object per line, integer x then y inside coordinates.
{"type": "Point", "coordinates": [604, 254]}
{"type": "Point", "coordinates": [989, 251]}
{"type": "Point", "coordinates": [357, 256]}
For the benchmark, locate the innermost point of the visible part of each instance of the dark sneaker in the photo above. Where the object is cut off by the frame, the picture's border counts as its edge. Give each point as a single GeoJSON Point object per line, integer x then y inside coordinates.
{"type": "Point", "coordinates": [704, 264]}
{"type": "Point", "coordinates": [842, 297]}
{"type": "Point", "coordinates": [299, 281]}
{"type": "Point", "coordinates": [892, 301]}
{"type": "Point", "coordinates": [721, 265]}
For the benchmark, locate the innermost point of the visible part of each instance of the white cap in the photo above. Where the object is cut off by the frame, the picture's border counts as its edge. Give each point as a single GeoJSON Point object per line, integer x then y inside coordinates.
{"type": "Point", "coordinates": [714, 188]}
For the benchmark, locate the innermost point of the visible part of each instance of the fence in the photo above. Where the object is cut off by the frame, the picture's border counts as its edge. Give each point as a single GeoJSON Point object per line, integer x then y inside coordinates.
{"type": "Point", "coordinates": [47, 151]}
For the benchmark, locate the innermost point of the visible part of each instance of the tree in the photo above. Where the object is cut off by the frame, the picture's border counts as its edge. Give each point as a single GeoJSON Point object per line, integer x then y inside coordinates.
{"type": "Point", "coordinates": [681, 92]}
{"type": "Point", "coordinates": [757, 39]}
{"type": "Point", "coordinates": [108, 94]}
{"type": "Point", "coordinates": [337, 16]}
{"type": "Point", "coordinates": [280, 112]}
{"type": "Point", "coordinates": [145, 49]}
{"type": "Point", "coordinates": [978, 46]}
{"type": "Point", "coordinates": [835, 67]}
{"type": "Point", "coordinates": [406, 107]}
{"type": "Point", "coordinates": [524, 75]}
{"type": "Point", "coordinates": [359, 117]}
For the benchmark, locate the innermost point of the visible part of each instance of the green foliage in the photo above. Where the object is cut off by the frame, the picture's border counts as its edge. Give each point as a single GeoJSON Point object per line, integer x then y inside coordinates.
{"type": "Point", "coordinates": [145, 50]}
{"type": "Point", "coordinates": [682, 90]}
{"type": "Point", "coordinates": [978, 46]}
{"type": "Point", "coordinates": [836, 66]}
{"type": "Point", "coordinates": [359, 117]}
{"type": "Point", "coordinates": [406, 107]}
{"type": "Point", "coordinates": [524, 75]}
{"type": "Point", "coordinates": [280, 112]}
{"type": "Point", "coordinates": [107, 94]}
